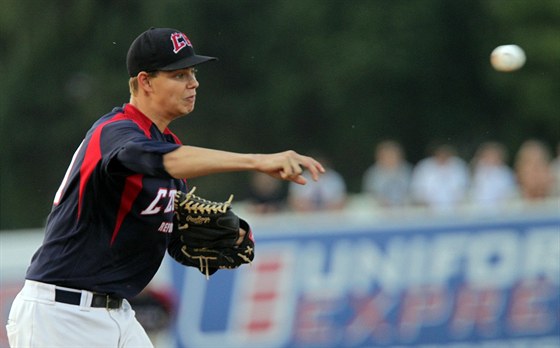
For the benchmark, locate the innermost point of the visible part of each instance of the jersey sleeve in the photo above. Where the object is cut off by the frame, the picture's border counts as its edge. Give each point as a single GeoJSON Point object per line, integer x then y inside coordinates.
{"type": "Point", "coordinates": [126, 149]}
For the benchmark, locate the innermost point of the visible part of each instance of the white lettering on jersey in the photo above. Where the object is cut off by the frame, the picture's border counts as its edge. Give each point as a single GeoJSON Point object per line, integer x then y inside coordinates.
{"type": "Point", "coordinates": [166, 227]}
{"type": "Point", "coordinates": [156, 205]}
{"type": "Point", "coordinates": [170, 205]}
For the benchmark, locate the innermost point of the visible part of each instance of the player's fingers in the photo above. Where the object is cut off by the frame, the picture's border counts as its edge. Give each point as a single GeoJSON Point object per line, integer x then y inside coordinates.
{"type": "Point", "coordinates": [296, 167]}
{"type": "Point", "coordinates": [316, 171]}
{"type": "Point", "coordinates": [291, 169]}
{"type": "Point", "coordinates": [292, 166]}
{"type": "Point", "coordinates": [286, 171]}
{"type": "Point", "coordinates": [314, 167]}
{"type": "Point", "coordinates": [242, 234]}
{"type": "Point", "coordinates": [300, 179]}
{"type": "Point", "coordinates": [293, 173]}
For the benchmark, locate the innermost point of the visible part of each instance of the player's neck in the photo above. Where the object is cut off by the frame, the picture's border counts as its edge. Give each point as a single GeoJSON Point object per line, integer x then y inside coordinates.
{"type": "Point", "coordinates": [149, 112]}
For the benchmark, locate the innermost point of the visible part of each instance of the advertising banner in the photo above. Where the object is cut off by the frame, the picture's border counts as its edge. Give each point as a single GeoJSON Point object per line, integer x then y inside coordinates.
{"type": "Point", "coordinates": [455, 284]}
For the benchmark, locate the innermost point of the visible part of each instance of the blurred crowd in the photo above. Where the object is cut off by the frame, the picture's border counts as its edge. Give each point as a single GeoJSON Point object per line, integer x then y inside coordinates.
{"type": "Point", "coordinates": [442, 181]}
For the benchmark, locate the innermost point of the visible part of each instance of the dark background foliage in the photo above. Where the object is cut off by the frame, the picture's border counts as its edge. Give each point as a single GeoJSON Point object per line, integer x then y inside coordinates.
{"type": "Point", "coordinates": [327, 76]}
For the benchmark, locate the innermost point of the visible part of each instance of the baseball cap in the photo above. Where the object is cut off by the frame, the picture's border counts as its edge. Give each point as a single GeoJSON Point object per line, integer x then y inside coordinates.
{"type": "Point", "coordinates": [162, 49]}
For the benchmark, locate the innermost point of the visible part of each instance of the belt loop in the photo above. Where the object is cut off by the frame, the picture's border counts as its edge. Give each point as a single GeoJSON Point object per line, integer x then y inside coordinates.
{"type": "Point", "coordinates": [85, 300]}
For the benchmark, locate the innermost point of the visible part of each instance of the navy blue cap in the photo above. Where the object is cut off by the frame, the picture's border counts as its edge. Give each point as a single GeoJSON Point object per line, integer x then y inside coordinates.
{"type": "Point", "coordinates": [163, 49]}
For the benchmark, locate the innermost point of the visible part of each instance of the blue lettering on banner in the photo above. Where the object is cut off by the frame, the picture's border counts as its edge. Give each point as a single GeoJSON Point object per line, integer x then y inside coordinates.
{"type": "Point", "coordinates": [494, 284]}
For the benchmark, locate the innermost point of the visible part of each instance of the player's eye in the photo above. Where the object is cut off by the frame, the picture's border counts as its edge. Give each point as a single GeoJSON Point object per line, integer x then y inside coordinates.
{"type": "Point", "coordinates": [190, 74]}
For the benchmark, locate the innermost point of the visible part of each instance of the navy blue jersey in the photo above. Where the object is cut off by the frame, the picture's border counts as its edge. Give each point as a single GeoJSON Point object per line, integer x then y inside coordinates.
{"type": "Point", "coordinates": [112, 216]}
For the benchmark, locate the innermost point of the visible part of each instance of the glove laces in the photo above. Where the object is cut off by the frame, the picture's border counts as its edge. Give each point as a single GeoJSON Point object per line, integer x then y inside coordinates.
{"type": "Point", "coordinates": [197, 205]}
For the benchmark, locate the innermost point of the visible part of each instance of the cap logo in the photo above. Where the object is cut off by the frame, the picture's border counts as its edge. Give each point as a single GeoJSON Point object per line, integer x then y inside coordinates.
{"type": "Point", "coordinates": [180, 41]}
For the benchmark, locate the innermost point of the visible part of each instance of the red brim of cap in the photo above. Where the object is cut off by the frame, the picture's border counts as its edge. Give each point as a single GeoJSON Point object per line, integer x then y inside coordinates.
{"type": "Point", "coordinates": [188, 62]}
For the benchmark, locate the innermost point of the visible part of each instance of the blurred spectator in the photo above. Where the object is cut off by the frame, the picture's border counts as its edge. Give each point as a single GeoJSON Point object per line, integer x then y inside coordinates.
{"type": "Point", "coordinates": [533, 170]}
{"type": "Point", "coordinates": [555, 165]}
{"type": "Point", "coordinates": [154, 309]}
{"type": "Point", "coordinates": [388, 178]}
{"type": "Point", "coordinates": [493, 181]}
{"type": "Point", "coordinates": [329, 193]}
{"type": "Point", "coordinates": [440, 181]}
{"type": "Point", "coordinates": [266, 194]}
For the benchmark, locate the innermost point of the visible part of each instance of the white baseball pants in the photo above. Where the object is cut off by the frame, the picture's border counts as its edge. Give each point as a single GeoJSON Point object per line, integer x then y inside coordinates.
{"type": "Point", "coordinates": [36, 320]}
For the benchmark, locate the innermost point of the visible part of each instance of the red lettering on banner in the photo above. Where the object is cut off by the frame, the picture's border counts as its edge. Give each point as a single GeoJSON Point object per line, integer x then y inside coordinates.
{"type": "Point", "coordinates": [423, 306]}
{"type": "Point", "coordinates": [459, 312]}
{"type": "Point", "coordinates": [314, 323]}
{"type": "Point", "coordinates": [370, 319]}
{"type": "Point", "coordinates": [529, 313]}
{"type": "Point", "coordinates": [476, 309]}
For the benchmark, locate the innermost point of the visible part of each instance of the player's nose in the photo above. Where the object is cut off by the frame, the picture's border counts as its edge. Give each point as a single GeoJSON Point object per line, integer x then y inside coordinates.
{"type": "Point", "coordinates": [193, 83]}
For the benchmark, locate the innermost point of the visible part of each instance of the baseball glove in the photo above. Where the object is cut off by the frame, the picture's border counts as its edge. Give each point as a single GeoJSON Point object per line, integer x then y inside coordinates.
{"type": "Point", "coordinates": [209, 234]}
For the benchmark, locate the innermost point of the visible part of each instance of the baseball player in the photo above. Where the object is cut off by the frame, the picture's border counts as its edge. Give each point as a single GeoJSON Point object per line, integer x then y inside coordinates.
{"type": "Point", "coordinates": [112, 219]}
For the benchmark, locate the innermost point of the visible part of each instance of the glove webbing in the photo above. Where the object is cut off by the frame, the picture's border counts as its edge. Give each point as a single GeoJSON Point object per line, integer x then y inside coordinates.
{"type": "Point", "coordinates": [203, 261]}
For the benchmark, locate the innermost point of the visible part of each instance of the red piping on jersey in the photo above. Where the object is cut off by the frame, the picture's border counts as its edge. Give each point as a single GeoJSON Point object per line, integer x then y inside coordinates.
{"type": "Point", "coordinates": [135, 115]}
{"type": "Point", "coordinates": [132, 188]}
{"type": "Point", "coordinates": [91, 158]}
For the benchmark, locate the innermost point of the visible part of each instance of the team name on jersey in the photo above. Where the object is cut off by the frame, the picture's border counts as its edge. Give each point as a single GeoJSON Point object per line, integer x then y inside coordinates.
{"type": "Point", "coordinates": [163, 202]}
{"type": "Point", "coordinates": [166, 227]}
{"type": "Point", "coordinates": [163, 198]}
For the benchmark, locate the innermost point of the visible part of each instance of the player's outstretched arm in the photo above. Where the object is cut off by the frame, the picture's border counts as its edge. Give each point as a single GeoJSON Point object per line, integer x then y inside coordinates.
{"type": "Point", "coordinates": [191, 161]}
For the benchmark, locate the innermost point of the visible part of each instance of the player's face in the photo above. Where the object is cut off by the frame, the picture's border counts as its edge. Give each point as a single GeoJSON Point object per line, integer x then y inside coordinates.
{"type": "Point", "coordinates": [175, 92]}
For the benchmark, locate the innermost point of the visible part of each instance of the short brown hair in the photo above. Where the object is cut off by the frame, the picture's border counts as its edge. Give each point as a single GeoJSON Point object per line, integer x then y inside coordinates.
{"type": "Point", "coordinates": [133, 82]}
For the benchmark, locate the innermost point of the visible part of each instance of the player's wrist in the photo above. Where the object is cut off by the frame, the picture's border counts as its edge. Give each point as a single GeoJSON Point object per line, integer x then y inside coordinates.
{"type": "Point", "coordinates": [254, 161]}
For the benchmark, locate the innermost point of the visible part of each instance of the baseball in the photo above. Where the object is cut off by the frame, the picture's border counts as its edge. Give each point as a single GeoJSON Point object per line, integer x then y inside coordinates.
{"type": "Point", "coordinates": [507, 58]}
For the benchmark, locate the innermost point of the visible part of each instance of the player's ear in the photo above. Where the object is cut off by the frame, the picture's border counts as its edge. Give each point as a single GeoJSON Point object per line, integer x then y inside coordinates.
{"type": "Point", "coordinates": [144, 81]}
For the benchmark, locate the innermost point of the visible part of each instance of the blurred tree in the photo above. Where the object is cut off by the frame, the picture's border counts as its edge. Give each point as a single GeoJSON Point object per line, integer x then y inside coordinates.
{"type": "Point", "coordinates": [336, 75]}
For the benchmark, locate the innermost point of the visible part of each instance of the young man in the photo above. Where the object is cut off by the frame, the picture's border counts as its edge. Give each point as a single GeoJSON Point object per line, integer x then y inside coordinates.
{"type": "Point", "coordinates": [112, 217]}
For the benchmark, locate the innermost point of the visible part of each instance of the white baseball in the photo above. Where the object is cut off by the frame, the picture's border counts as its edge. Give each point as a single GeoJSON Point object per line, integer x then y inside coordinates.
{"type": "Point", "coordinates": [507, 58]}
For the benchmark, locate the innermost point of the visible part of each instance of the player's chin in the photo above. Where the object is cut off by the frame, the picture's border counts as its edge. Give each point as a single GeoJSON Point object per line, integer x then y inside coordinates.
{"type": "Point", "coordinates": [182, 113]}
{"type": "Point", "coordinates": [187, 108]}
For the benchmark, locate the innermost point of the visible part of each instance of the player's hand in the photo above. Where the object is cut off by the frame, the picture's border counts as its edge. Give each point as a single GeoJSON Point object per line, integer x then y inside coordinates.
{"type": "Point", "coordinates": [289, 165]}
